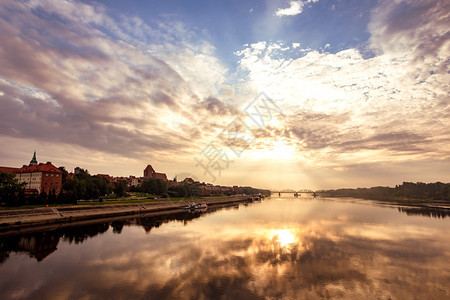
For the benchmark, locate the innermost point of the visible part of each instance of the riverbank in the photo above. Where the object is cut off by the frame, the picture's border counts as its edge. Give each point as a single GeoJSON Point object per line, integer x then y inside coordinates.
{"type": "Point", "coordinates": [430, 208]}
{"type": "Point", "coordinates": [397, 201]}
{"type": "Point", "coordinates": [20, 219]}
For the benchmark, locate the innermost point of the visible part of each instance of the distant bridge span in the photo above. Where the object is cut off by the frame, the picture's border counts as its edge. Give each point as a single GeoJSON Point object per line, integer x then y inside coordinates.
{"type": "Point", "coordinates": [292, 191]}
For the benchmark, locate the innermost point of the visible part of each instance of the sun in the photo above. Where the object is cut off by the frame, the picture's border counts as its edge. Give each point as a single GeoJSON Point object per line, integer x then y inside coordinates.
{"type": "Point", "coordinates": [283, 236]}
{"type": "Point", "coordinates": [277, 149]}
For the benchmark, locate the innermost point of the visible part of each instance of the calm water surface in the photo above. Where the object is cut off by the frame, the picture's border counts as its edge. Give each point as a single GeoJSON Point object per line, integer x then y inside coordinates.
{"type": "Point", "coordinates": [281, 248]}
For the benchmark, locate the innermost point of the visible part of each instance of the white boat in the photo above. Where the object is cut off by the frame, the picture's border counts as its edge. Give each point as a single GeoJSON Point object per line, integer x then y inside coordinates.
{"type": "Point", "coordinates": [193, 206]}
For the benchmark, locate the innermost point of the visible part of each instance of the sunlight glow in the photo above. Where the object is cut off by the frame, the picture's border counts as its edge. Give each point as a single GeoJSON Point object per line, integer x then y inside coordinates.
{"type": "Point", "coordinates": [277, 149]}
{"type": "Point", "coordinates": [283, 236]}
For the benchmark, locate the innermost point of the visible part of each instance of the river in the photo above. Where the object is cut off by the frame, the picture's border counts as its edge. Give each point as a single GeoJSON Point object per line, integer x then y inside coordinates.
{"type": "Point", "coordinates": [280, 248]}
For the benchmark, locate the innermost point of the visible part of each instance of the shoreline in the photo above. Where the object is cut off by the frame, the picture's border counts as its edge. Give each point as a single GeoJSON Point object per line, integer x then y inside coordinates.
{"type": "Point", "coordinates": [433, 203]}
{"type": "Point", "coordinates": [13, 222]}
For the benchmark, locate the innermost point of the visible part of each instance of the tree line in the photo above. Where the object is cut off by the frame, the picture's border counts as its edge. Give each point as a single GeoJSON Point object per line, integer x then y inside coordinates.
{"type": "Point", "coordinates": [248, 190]}
{"type": "Point", "coordinates": [407, 190]}
{"type": "Point", "coordinates": [81, 186]}
{"type": "Point", "coordinates": [85, 186]}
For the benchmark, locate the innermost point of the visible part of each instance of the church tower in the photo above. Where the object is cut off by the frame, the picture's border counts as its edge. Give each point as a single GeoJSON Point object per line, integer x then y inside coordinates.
{"type": "Point", "coordinates": [149, 172]}
{"type": "Point", "coordinates": [33, 161]}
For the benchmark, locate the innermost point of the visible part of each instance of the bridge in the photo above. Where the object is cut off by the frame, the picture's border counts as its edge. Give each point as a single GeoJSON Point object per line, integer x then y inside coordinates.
{"type": "Point", "coordinates": [304, 191]}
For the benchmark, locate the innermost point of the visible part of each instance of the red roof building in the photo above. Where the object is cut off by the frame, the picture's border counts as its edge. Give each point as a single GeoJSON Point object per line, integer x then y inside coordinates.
{"type": "Point", "coordinates": [8, 169]}
{"type": "Point", "coordinates": [42, 177]}
{"type": "Point", "coordinates": [149, 172]}
{"type": "Point", "coordinates": [189, 180]}
{"type": "Point", "coordinates": [106, 176]}
{"type": "Point", "coordinates": [161, 176]}
{"type": "Point", "coordinates": [109, 178]}
{"type": "Point", "coordinates": [38, 177]}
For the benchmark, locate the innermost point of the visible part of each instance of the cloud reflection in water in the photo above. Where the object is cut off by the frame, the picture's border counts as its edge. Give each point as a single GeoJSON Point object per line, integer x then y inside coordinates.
{"type": "Point", "coordinates": [291, 249]}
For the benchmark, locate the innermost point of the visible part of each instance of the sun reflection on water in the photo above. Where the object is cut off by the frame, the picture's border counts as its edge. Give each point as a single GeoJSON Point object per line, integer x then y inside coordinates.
{"type": "Point", "coordinates": [283, 236]}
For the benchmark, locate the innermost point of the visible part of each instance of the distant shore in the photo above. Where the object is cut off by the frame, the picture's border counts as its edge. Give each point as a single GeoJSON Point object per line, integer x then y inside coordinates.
{"type": "Point", "coordinates": [405, 201]}
{"type": "Point", "coordinates": [17, 220]}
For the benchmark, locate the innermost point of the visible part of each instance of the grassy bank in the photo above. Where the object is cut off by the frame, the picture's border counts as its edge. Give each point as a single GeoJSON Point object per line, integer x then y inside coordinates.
{"type": "Point", "coordinates": [108, 201]}
{"type": "Point", "coordinates": [13, 221]}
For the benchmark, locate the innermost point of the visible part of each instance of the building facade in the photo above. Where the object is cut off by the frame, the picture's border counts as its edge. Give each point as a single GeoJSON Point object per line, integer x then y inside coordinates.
{"type": "Point", "coordinates": [38, 177]}
{"type": "Point", "coordinates": [149, 172]}
{"type": "Point", "coordinates": [43, 177]}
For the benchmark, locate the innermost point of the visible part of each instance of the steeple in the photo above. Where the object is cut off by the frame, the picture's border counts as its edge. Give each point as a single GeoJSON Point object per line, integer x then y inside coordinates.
{"type": "Point", "coordinates": [33, 161]}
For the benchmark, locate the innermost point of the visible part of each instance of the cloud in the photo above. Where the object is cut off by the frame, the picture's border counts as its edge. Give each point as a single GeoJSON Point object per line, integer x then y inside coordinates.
{"type": "Point", "coordinates": [214, 107]}
{"type": "Point", "coordinates": [207, 258]}
{"type": "Point", "coordinates": [295, 8]}
{"type": "Point", "coordinates": [345, 106]}
{"type": "Point", "coordinates": [77, 74]}
{"type": "Point", "coordinates": [416, 31]}
{"type": "Point", "coordinates": [81, 76]}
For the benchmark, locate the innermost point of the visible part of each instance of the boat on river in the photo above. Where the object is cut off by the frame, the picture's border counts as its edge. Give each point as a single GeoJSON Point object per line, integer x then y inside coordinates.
{"type": "Point", "coordinates": [195, 206]}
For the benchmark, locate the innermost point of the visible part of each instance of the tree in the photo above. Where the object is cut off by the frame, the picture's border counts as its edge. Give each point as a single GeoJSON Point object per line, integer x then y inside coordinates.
{"type": "Point", "coordinates": [83, 186]}
{"type": "Point", "coordinates": [161, 187]}
{"type": "Point", "coordinates": [178, 191]}
{"type": "Point", "coordinates": [407, 190]}
{"type": "Point", "coordinates": [65, 174]}
{"type": "Point", "coordinates": [43, 197]}
{"type": "Point", "coordinates": [52, 197]}
{"type": "Point", "coordinates": [154, 186]}
{"type": "Point", "coordinates": [11, 191]}
{"type": "Point", "coordinates": [119, 188]}
{"type": "Point", "coordinates": [184, 190]}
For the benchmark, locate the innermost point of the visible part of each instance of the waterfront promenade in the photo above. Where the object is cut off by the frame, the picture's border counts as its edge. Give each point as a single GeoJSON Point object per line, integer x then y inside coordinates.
{"type": "Point", "coordinates": [23, 219]}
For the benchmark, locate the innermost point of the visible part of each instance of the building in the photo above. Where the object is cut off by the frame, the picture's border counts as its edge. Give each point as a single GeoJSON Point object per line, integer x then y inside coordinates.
{"type": "Point", "coordinates": [41, 177]}
{"type": "Point", "coordinates": [133, 181]}
{"type": "Point", "coordinates": [38, 177]}
{"type": "Point", "coordinates": [33, 161]}
{"type": "Point", "coordinates": [149, 172]}
{"type": "Point", "coordinates": [189, 181]}
{"type": "Point", "coordinates": [8, 170]}
{"type": "Point", "coordinates": [130, 181]}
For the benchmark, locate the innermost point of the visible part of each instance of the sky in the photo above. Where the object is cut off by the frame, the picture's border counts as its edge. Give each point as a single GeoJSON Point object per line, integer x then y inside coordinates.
{"type": "Point", "coordinates": [274, 94]}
